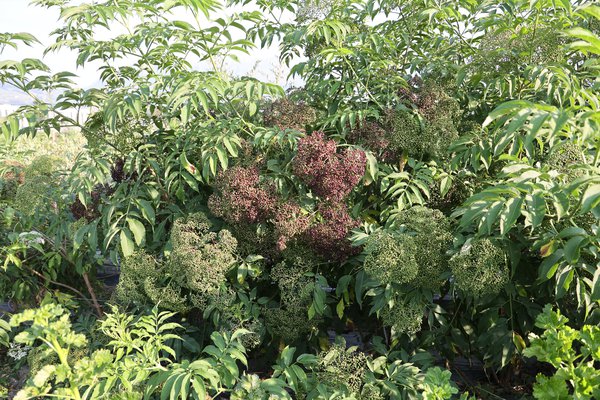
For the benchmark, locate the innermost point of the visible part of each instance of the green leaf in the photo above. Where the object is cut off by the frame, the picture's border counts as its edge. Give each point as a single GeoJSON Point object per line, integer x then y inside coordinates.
{"type": "Point", "coordinates": [549, 266]}
{"type": "Point", "coordinates": [490, 217]}
{"type": "Point", "coordinates": [189, 167]}
{"type": "Point", "coordinates": [127, 246]}
{"type": "Point", "coordinates": [79, 236]}
{"type": "Point", "coordinates": [147, 210]}
{"type": "Point", "coordinates": [230, 148]}
{"type": "Point", "coordinates": [138, 229]}
{"type": "Point", "coordinates": [252, 108]}
{"type": "Point", "coordinates": [199, 388]}
{"type": "Point", "coordinates": [340, 309]}
{"type": "Point", "coordinates": [445, 185]}
{"type": "Point", "coordinates": [511, 213]}
{"type": "Point", "coordinates": [4, 333]}
{"type": "Point", "coordinates": [554, 387]}
{"type": "Point", "coordinates": [590, 198]}
{"type": "Point", "coordinates": [536, 210]}
{"type": "Point", "coordinates": [592, 10]}
{"type": "Point", "coordinates": [572, 248]}
{"type": "Point", "coordinates": [595, 295]}
{"type": "Point", "coordinates": [223, 158]}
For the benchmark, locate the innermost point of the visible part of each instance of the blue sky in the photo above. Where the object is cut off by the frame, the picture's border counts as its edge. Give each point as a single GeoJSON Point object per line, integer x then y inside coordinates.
{"type": "Point", "coordinates": [19, 16]}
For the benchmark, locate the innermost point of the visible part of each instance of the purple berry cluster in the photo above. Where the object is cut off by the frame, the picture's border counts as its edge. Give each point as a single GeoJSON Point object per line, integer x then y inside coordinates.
{"type": "Point", "coordinates": [241, 197]}
{"type": "Point", "coordinates": [327, 173]}
{"type": "Point", "coordinates": [289, 222]}
{"type": "Point", "coordinates": [329, 237]}
{"type": "Point", "coordinates": [331, 175]}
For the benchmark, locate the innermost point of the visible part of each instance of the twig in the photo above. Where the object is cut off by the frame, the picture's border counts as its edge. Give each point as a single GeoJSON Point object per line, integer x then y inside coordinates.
{"type": "Point", "coordinates": [88, 285]}
{"type": "Point", "coordinates": [57, 283]}
{"type": "Point", "coordinates": [97, 306]}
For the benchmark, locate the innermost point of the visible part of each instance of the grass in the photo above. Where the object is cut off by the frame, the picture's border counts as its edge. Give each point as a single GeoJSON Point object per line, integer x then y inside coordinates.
{"type": "Point", "coordinates": [65, 145]}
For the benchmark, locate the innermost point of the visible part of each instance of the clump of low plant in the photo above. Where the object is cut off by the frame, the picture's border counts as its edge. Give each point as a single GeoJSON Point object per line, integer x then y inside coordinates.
{"type": "Point", "coordinates": [575, 354]}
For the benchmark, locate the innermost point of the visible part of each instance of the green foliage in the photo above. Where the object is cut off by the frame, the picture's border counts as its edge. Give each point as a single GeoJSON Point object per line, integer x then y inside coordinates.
{"type": "Point", "coordinates": [348, 373]}
{"type": "Point", "coordinates": [574, 354]}
{"type": "Point", "coordinates": [39, 187]}
{"type": "Point", "coordinates": [460, 136]}
{"type": "Point", "coordinates": [251, 387]}
{"type": "Point", "coordinates": [437, 384]}
{"type": "Point", "coordinates": [51, 325]}
{"type": "Point", "coordinates": [137, 358]}
{"type": "Point", "coordinates": [45, 166]}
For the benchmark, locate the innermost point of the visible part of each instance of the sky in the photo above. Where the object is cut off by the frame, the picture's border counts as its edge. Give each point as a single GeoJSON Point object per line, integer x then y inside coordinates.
{"type": "Point", "coordinates": [19, 16]}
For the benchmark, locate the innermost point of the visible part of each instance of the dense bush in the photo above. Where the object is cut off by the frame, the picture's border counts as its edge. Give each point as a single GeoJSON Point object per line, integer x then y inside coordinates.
{"type": "Point", "coordinates": [435, 182]}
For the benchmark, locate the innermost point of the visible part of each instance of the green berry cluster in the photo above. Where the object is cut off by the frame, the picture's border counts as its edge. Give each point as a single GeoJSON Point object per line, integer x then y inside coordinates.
{"type": "Point", "coordinates": [189, 276]}
{"type": "Point", "coordinates": [415, 253]}
{"type": "Point", "coordinates": [290, 320]}
{"type": "Point", "coordinates": [391, 259]}
{"type": "Point", "coordinates": [480, 268]}
{"type": "Point", "coordinates": [340, 367]}
{"type": "Point", "coordinates": [562, 158]}
{"type": "Point", "coordinates": [200, 257]}
{"type": "Point", "coordinates": [506, 51]}
{"type": "Point", "coordinates": [287, 114]}
{"type": "Point", "coordinates": [432, 234]}
{"type": "Point", "coordinates": [429, 130]}
{"type": "Point", "coordinates": [127, 136]}
{"type": "Point", "coordinates": [403, 316]}
{"type": "Point", "coordinates": [405, 132]}
{"type": "Point", "coordinates": [233, 315]}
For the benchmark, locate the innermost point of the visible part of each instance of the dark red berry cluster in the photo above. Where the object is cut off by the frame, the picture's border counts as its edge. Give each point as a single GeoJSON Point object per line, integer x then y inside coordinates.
{"type": "Point", "coordinates": [327, 173]}
{"type": "Point", "coordinates": [241, 197]}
